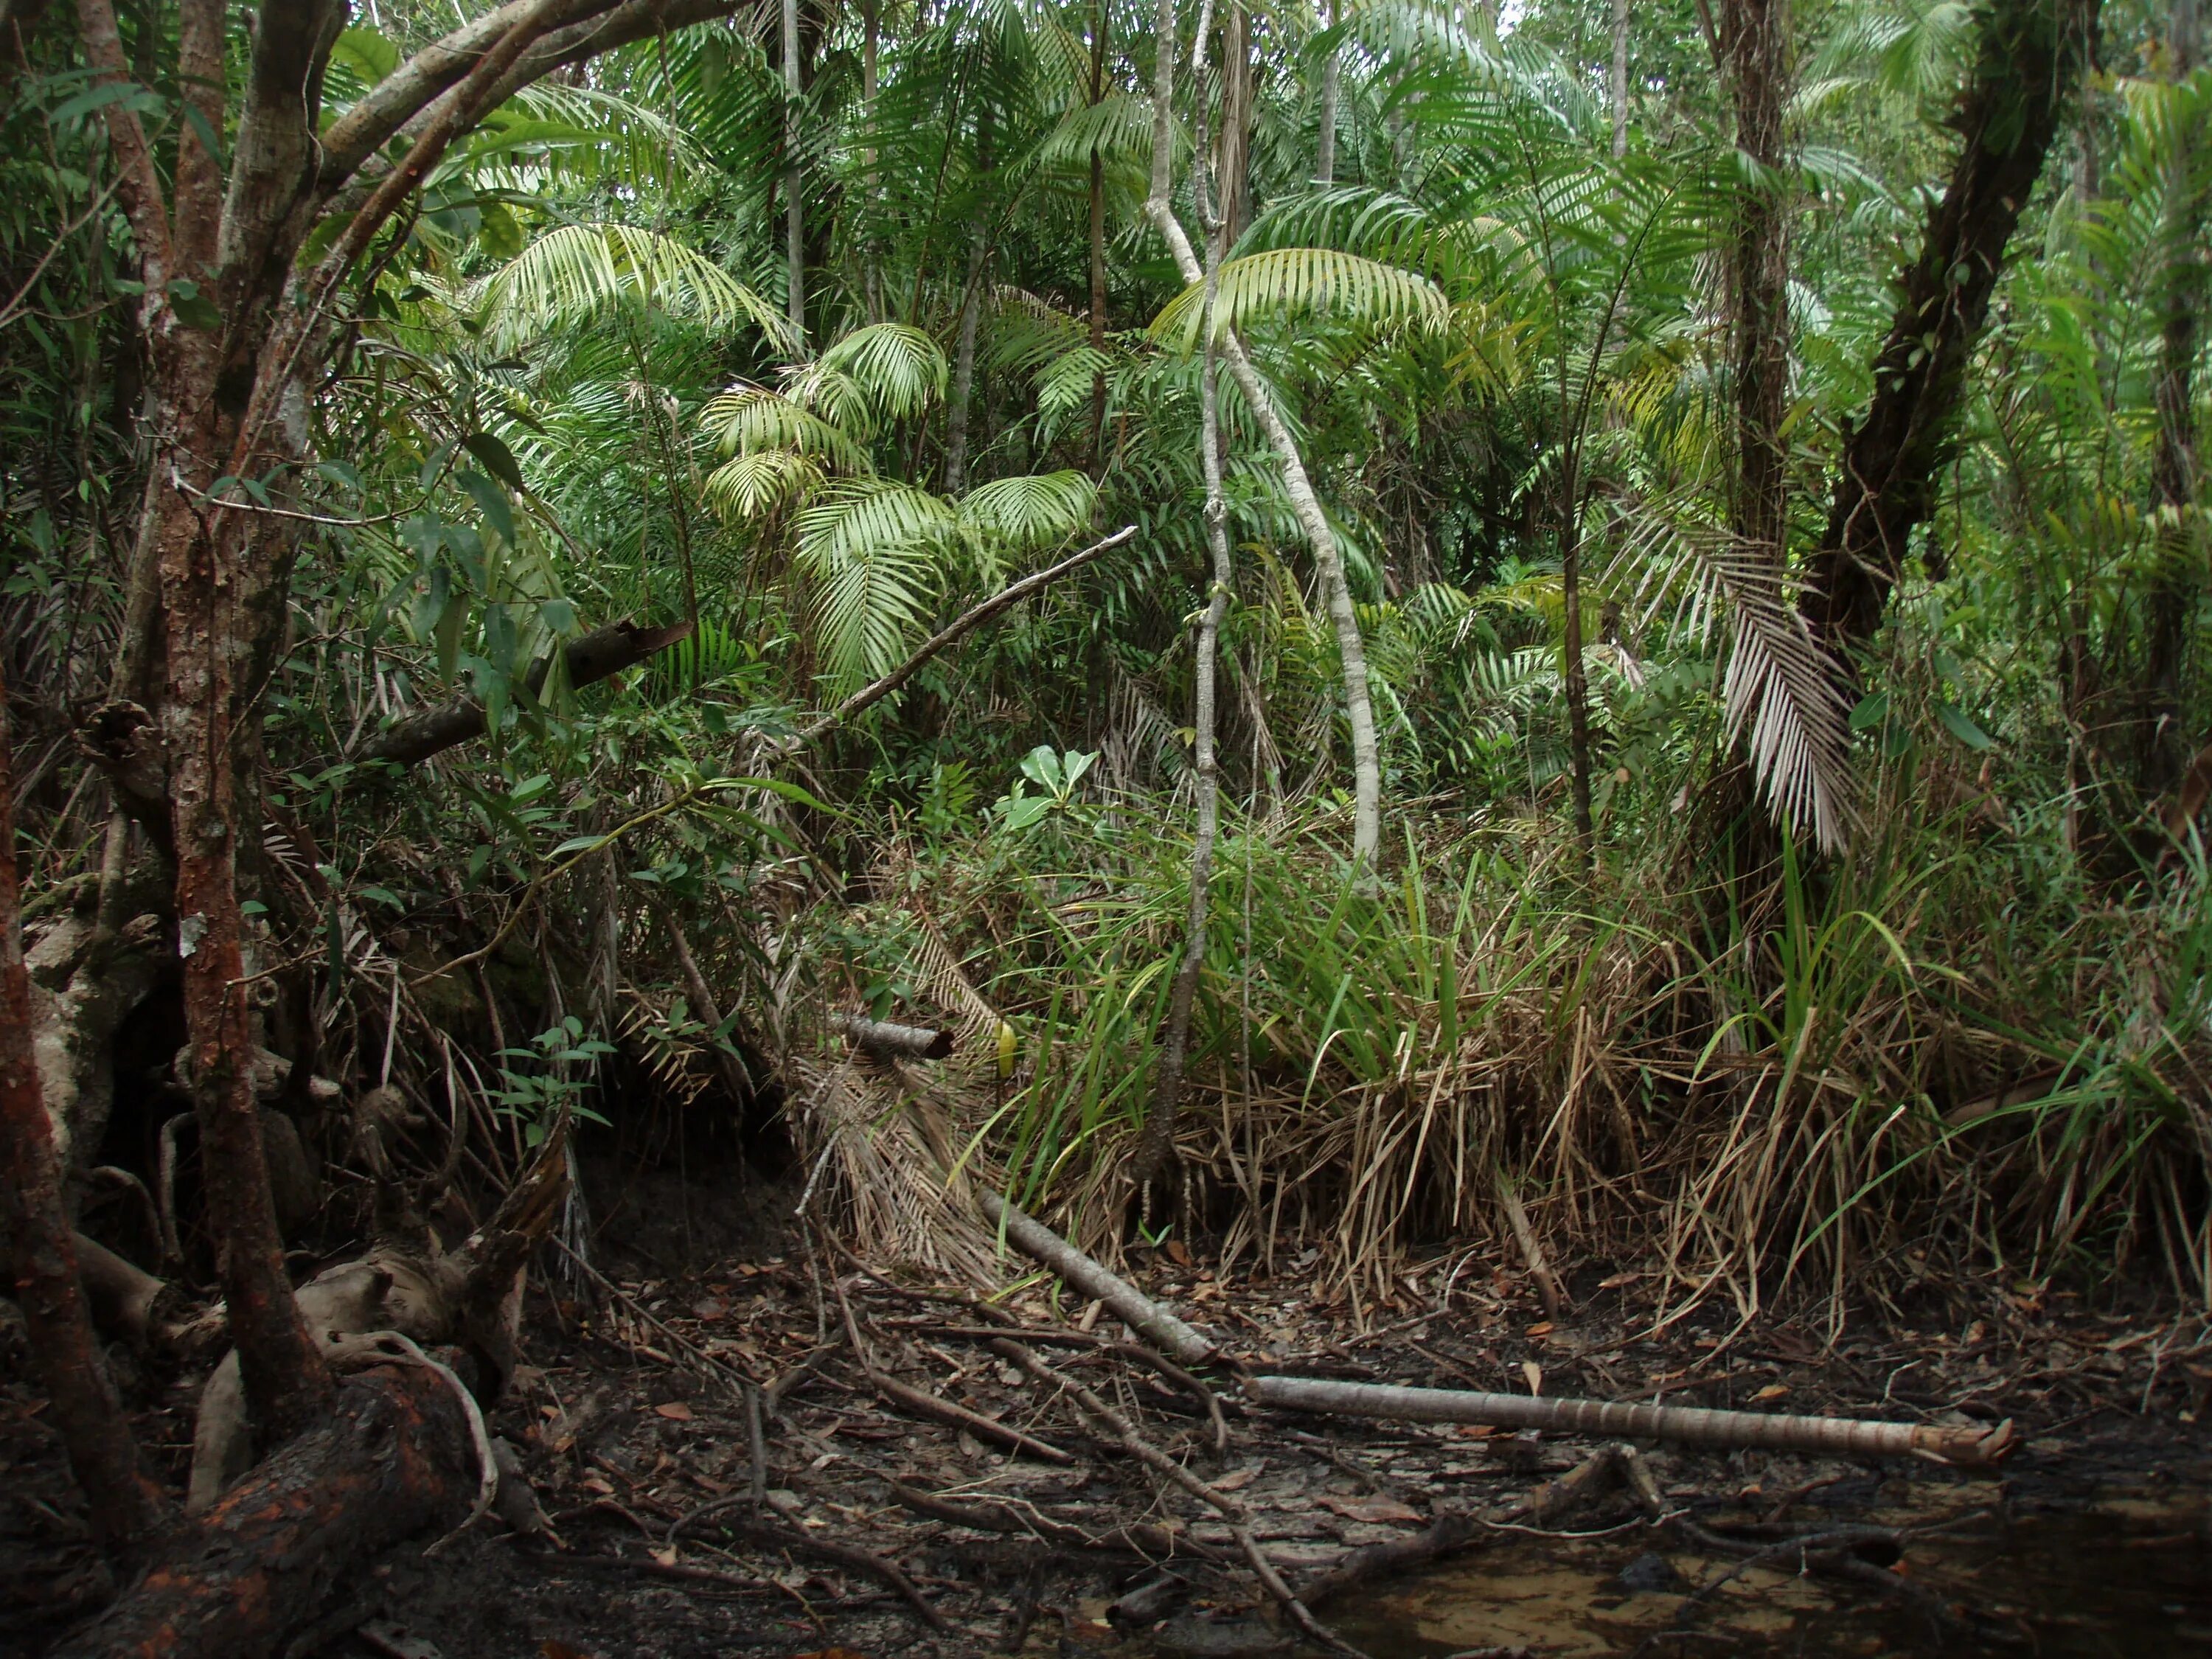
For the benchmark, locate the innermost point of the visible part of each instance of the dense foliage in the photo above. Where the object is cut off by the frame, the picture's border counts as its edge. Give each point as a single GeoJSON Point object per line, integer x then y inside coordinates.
{"type": "Point", "coordinates": [1873, 950]}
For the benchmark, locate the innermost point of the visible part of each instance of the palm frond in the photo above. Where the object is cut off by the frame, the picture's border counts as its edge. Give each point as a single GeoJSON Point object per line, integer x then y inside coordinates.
{"type": "Point", "coordinates": [1279, 283]}
{"type": "Point", "coordinates": [574, 272]}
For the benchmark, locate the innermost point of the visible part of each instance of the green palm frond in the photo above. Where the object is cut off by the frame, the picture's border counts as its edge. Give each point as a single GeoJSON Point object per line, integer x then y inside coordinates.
{"type": "Point", "coordinates": [575, 272]}
{"type": "Point", "coordinates": [901, 370]}
{"type": "Point", "coordinates": [872, 552]}
{"type": "Point", "coordinates": [748, 486]}
{"type": "Point", "coordinates": [749, 420]}
{"type": "Point", "coordinates": [1063, 384]}
{"type": "Point", "coordinates": [1283, 282]}
{"type": "Point", "coordinates": [1029, 510]}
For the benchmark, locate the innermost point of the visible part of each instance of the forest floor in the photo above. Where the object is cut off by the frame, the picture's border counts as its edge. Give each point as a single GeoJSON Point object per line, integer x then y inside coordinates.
{"type": "Point", "coordinates": [2096, 1539]}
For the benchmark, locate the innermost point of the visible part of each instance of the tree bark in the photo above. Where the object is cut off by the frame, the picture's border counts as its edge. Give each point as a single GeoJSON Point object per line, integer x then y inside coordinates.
{"type": "Point", "coordinates": [44, 1276]}
{"type": "Point", "coordinates": [1755, 43]}
{"type": "Point", "coordinates": [958, 404]}
{"type": "Point", "coordinates": [394, 1456]}
{"type": "Point", "coordinates": [794, 209]}
{"type": "Point", "coordinates": [1366, 757]}
{"type": "Point", "coordinates": [2029, 65]}
{"type": "Point", "coordinates": [1619, 79]}
{"type": "Point", "coordinates": [1325, 148]}
{"type": "Point", "coordinates": [601, 655]}
{"type": "Point", "coordinates": [2178, 582]}
{"type": "Point", "coordinates": [1098, 16]}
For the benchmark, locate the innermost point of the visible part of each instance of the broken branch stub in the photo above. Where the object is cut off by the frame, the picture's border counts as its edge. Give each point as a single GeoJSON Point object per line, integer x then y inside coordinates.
{"type": "Point", "coordinates": [1123, 1300]}
{"type": "Point", "coordinates": [881, 1036]}
{"type": "Point", "coordinates": [1966, 1447]}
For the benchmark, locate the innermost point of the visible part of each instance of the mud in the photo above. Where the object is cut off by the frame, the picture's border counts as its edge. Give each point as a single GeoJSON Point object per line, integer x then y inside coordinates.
{"type": "Point", "coordinates": [631, 1419]}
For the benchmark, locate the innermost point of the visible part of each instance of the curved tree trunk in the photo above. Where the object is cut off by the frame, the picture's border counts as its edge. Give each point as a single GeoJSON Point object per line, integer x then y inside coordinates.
{"type": "Point", "coordinates": [1360, 713]}
{"type": "Point", "coordinates": [2027, 68]}
{"type": "Point", "coordinates": [394, 1455]}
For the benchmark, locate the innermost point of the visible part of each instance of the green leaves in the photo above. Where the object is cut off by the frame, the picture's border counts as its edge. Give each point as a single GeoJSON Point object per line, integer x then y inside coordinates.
{"type": "Point", "coordinates": [573, 273]}
{"type": "Point", "coordinates": [1280, 284]}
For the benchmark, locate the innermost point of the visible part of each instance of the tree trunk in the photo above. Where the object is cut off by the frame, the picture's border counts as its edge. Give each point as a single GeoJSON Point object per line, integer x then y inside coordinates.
{"type": "Point", "coordinates": [43, 1277]}
{"type": "Point", "coordinates": [1571, 668]}
{"type": "Point", "coordinates": [957, 405]}
{"type": "Point", "coordinates": [1366, 756]}
{"type": "Point", "coordinates": [1234, 172]}
{"type": "Point", "coordinates": [394, 1456]}
{"type": "Point", "coordinates": [2177, 584]}
{"type": "Point", "coordinates": [794, 212]}
{"type": "Point", "coordinates": [871, 28]}
{"type": "Point", "coordinates": [1097, 245]}
{"type": "Point", "coordinates": [1156, 1156]}
{"type": "Point", "coordinates": [1619, 79]}
{"type": "Point", "coordinates": [2029, 65]}
{"type": "Point", "coordinates": [1325, 150]}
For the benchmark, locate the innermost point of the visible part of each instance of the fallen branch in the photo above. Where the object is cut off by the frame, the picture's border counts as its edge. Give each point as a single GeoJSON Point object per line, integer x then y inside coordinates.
{"type": "Point", "coordinates": [881, 1036]}
{"type": "Point", "coordinates": [601, 655]}
{"type": "Point", "coordinates": [1127, 1303]}
{"type": "Point", "coordinates": [1689, 1426]}
{"type": "Point", "coordinates": [1173, 1474]}
{"type": "Point", "coordinates": [928, 1405]}
{"type": "Point", "coordinates": [757, 1530]}
{"type": "Point", "coordinates": [1135, 1352]}
{"type": "Point", "coordinates": [1148, 1542]}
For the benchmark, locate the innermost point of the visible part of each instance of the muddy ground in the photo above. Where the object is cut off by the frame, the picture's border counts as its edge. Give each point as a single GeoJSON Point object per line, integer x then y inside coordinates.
{"type": "Point", "coordinates": [882, 1531]}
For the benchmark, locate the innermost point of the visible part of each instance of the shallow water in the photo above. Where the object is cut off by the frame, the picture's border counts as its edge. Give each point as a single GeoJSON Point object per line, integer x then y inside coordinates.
{"type": "Point", "coordinates": [2129, 1575]}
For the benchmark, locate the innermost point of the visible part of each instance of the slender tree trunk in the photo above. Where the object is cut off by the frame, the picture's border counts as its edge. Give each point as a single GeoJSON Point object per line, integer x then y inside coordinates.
{"type": "Point", "coordinates": [2177, 585]}
{"type": "Point", "coordinates": [1366, 760]}
{"type": "Point", "coordinates": [1325, 150]}
{"type": "Point", "coordinates": [794, 210]}
{"type": "Point", "coordinates": [1576, 679]}
{"type": "Point", "coordinates": [1097, 244]}
{"type": "Point", "coordinates": [870, 44]}
{"type": "Point", "coordinates": [2029, 64]}
{"type": "Point", "coordinates": [1755, 36]}
{"type": "Point", "coordinates": [1619, 79]}
{"type": "Point", "coordinates": [1156, 1156]}
{"type": "Point", "coordinates": [125, 1503]}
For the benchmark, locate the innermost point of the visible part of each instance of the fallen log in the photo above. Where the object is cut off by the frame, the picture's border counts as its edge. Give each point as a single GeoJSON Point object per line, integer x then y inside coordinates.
{"type": "Point", "coordinates": [395, 1456]}
{"type": "Point", "coordinates": [1965, 1447]}
{"type": "Point", "coordinates": [1123, 1300]}
{"type": "Point", "coordinates": [881, 1036]}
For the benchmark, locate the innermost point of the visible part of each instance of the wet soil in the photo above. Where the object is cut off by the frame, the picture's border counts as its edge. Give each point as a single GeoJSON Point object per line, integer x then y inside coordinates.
{"type": "Point", "coordinates": [630, 1420]}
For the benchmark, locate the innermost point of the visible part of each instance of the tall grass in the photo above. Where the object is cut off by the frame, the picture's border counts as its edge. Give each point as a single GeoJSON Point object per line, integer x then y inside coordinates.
{"type": "Point", "coordinates": [1860, 1077]}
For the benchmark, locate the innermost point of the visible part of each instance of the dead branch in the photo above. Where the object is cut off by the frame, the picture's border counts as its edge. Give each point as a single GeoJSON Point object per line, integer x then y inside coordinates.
{"type": "Point", "coordinates": [1129, 1304]}
{"type": "Point", "coordinates": [757, 1530]}
{"type": "Point", "coordinates": [1173, 1474]}
{"type": "Point", "coordinates": [1532, 1252]}
{"type": "Point", "coordinates": [598, 655]}
{"type": "Point", "coordinates": [966, 622]}
{"type": "Point", "coordinates": [928, 1405]}
{"type": "Point", "coordinates": [1692, 1425]}
{"type": "Point", "coordinates": [882, 1037]}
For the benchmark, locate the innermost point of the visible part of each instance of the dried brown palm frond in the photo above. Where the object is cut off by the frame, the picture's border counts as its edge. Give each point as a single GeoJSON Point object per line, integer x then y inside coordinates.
{"type": "Point", "coordinates": [870, 1155]}
{"type": "Point", "coordinates": [1784, 695]}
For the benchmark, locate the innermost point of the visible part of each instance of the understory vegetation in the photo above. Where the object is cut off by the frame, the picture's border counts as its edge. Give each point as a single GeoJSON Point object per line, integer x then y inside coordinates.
{"type": "Point", "coordinates": [1658, 689]}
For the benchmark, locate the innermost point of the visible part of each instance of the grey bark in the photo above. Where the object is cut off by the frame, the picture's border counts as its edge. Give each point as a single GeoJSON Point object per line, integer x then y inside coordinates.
{"type": "Point", "coordinates": [794, 211]}
{"type": "Point", "coordinates": [1366, 763]}
{"type": "Point", "coordinates": [1972, 1446]}
{"type": "Point", "coordinates": [1179, 1341]}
